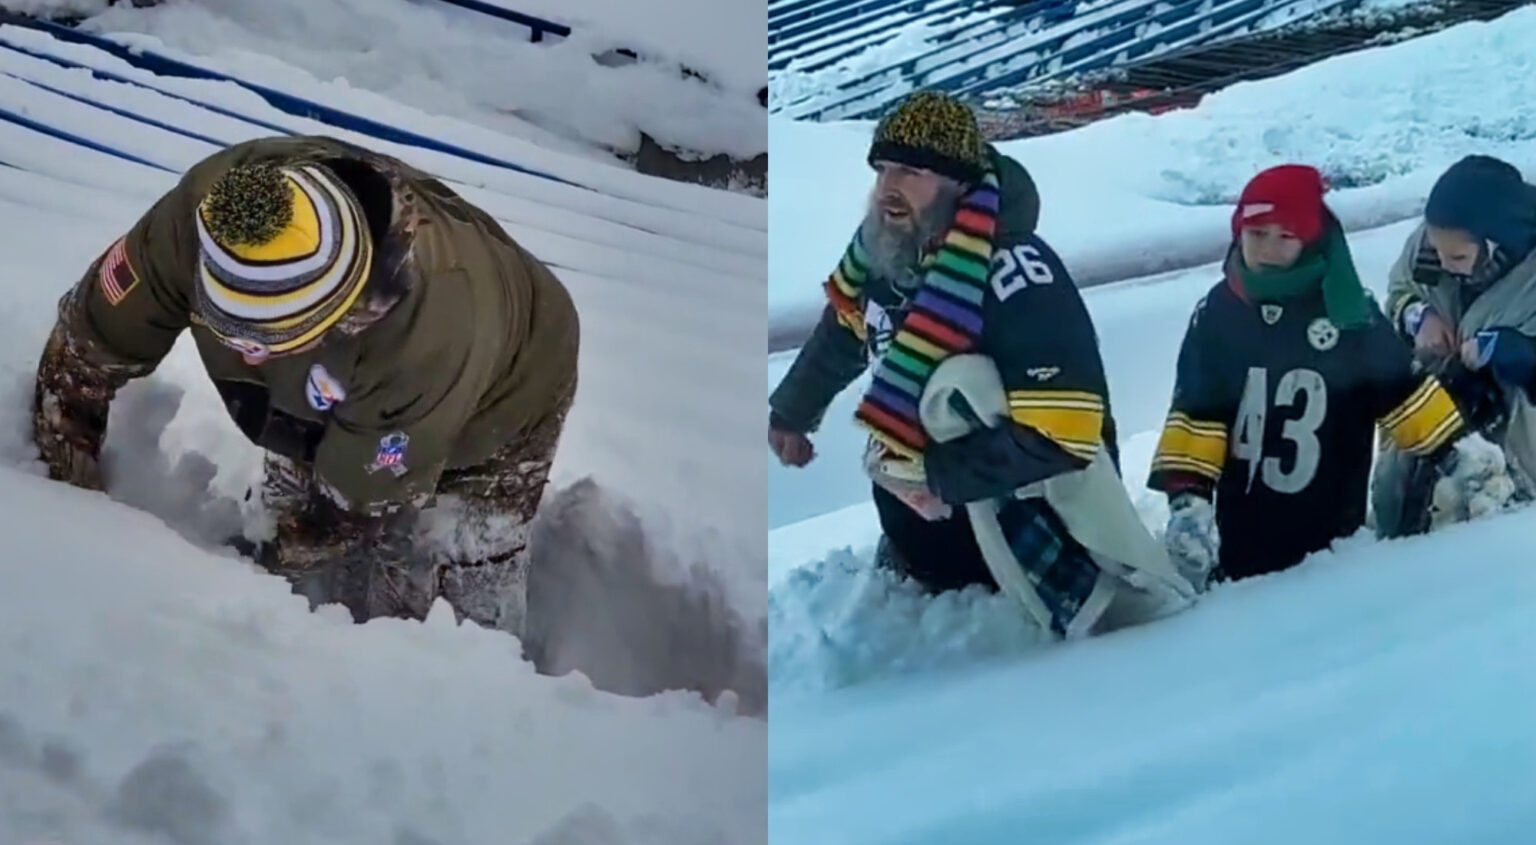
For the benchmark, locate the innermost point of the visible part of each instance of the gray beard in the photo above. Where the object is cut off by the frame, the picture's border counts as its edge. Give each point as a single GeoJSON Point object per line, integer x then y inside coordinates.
{"type": "Point", "coordinates": [895, 251]}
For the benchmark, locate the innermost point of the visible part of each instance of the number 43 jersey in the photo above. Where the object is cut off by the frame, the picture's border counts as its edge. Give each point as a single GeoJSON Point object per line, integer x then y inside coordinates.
{"type": "Point", "coordinates": [1275, 410]}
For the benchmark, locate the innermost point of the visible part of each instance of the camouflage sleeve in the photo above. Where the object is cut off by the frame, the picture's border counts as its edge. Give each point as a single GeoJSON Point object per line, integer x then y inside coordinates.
{"type": "Point", "coordinates": [386, 445]}
{"type": "Point", "coordinates": [115, 324]}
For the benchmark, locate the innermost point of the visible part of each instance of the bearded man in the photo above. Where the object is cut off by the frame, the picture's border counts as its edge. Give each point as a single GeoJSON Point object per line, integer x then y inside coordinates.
{"type": "Point", "coordinates": [991, 443]}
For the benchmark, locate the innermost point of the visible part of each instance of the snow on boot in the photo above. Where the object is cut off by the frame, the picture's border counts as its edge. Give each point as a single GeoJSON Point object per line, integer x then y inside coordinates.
{"type": "Point", "coordinates": [1191, 539]}
{"type": "Point", "coordinates": [1474, 482]}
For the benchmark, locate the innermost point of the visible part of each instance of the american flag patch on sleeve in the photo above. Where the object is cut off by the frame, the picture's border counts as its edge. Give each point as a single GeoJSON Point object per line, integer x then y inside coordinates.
{"type": "Point", "coordinates": [116, 276]}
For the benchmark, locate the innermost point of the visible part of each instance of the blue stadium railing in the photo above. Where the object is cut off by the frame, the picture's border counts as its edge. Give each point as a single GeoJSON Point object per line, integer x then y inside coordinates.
{"type": "Point", "coordinates": [292, 104]}
{"type": "Point", "coordinates": [538, 25]}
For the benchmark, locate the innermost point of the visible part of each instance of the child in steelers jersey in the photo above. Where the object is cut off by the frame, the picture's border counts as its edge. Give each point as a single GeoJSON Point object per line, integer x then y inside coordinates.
{"type": "Point", "coordinates": [1287, 369]}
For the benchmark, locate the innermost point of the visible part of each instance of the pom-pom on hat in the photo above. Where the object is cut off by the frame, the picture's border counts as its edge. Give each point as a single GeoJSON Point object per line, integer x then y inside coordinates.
{"type": "Point", "coordinates": [283, 254]}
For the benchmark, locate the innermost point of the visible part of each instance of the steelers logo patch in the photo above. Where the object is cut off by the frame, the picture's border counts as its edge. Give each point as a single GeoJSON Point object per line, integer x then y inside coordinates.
{"type": "Point", "coordinates": [1323, 334]}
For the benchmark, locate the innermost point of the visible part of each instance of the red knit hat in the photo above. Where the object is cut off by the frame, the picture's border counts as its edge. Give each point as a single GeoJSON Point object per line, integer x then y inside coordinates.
{"type": "Point", "coordinates": [1290, 195]}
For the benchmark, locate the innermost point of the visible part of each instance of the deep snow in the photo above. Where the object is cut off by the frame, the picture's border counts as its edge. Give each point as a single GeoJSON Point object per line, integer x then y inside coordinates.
{"type": "Point", "coordinates": [1378, 693]}
{"type": "Point", "coordinates": [150, 682]}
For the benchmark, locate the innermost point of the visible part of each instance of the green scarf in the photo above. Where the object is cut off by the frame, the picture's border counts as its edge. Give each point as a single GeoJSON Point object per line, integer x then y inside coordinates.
{"type": "Point", "coordinates": [1329, 266]}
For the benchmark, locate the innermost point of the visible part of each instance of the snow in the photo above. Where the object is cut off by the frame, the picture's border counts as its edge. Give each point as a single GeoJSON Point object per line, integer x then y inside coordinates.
{"type": "Point", "coordinates": [1372, 694]}
{"type": "Point", "coordinates": [159, 689]}
{"type": "Point", "coordinates": [1381, 123]}
{"type": "Point", "coordinates": [470, 66]}
{"type": "Point", "coordinates": [156, 692]}
{"type": "Point", "coordinates": [721, 39]}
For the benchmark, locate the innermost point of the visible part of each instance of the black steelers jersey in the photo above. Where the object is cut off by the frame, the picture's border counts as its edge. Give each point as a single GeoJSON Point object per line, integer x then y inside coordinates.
{"type": "Point", "coordinates": [1275, 411]}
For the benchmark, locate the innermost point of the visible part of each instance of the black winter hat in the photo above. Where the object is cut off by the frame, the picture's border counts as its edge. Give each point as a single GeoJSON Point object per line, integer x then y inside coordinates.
{"type": "Point", "coordinates": [934, 131]}
{"type": "Point", "coordinates": [1488, 198]}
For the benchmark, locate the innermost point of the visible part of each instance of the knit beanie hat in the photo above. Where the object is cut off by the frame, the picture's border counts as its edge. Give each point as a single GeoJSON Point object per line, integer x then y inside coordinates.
{"type": "Point", "coordinates": [1488, 198]}
{"type": "Point", "coordinates": [284, 252]}
{"type": "Point", "coordinates": [1290, 195]}
{"type": "Point", "coordinates": [933, 131]}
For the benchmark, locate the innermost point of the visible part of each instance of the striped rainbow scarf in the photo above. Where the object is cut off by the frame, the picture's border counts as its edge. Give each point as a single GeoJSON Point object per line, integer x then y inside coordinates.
{"type": "Point", "coordinates": [944, 319]}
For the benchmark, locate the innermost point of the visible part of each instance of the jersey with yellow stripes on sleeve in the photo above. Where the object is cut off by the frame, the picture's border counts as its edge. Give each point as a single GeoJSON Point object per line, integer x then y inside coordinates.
{"type": "Point", "coordinates": [1039, 334]}
{"type": "Point", "coordinates": [1274, 414]}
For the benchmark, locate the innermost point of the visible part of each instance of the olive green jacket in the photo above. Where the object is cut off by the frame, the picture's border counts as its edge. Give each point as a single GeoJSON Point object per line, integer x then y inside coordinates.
{"type": "Point", "coordinates": [460, 342]}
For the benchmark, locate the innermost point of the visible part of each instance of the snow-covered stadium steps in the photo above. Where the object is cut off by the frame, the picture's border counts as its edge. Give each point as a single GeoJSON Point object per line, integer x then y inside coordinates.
{"type": "Point", "coordinates": [972, 53]}
{"type": "Point", "coordinates": [833, 35]}
{"type": "Point", "coordinates": [647, 305]}
{"type": "Point", "coordinates": [48, 193]}
{"type": "Point", "coordinates": [702, 217]}
{"type": "Point", "coordinates": [168, 132]}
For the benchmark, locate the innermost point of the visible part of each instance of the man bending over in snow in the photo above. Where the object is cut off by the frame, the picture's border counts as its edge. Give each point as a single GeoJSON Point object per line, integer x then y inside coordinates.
{"type": "Point", "coordinates": [1287, 369]}
{"type": "Point", "coordinates": [382, 339]}
{"type": "Point", "coordinates": [946, 270]}
{"type": "Point", "coordinates": [1463, 292]}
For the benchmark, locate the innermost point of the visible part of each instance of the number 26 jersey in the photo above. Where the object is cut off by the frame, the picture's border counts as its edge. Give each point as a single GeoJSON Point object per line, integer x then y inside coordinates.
{"type": "Point", "coordinates": [1275, 410]}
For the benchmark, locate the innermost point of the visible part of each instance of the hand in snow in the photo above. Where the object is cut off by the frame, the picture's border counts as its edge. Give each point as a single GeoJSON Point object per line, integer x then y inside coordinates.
{"type": "Point", "coordinates": [67, 445]}
{"type": "Point", "coordinates": [792, 448]}
{"type": "Point", "coordinates": [69, 414]}
{"type": "Point", "coordinates": [1191, 539]}
{"type": "Point", "coordinates": [369, 564]}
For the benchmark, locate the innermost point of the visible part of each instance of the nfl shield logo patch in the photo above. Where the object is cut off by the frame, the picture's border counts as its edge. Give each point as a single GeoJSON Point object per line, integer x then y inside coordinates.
{"type": "Point", "coordinates": [391, 454]}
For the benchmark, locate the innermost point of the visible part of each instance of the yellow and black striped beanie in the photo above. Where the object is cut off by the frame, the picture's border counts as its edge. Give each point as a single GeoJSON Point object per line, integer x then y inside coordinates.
{"type": "Point", "coordinates": [934, 131]}
{"type": "Point", "coordinates": [283, 254]}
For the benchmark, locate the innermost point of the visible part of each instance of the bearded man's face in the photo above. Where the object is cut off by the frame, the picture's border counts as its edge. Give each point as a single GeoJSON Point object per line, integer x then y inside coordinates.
{"type": "Point", "coordinates": [909, 209]}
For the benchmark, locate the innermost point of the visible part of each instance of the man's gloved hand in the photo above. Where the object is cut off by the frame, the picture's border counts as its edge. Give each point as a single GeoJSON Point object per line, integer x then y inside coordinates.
{"type": "Point", "coordinates": [1508, 354]}
{"type": "Point", "coordinates": [369, 564]}
{"type": "Point", "coordinates": [1192, 540]}
{"type": "Point", "coordinates": [69, 412]}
